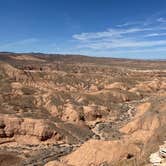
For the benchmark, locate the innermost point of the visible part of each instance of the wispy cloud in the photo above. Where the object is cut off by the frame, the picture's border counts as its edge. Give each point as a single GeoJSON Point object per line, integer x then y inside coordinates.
{"type": "Point", "coordinates": [162, 20]}
{"type": "Point", "coordinates": [126, 38]}
{"type": "Point", "coordinates": [127, 24]}
{"type": "Point", "coordinates": [123, 25]}
{"type": "Point", "coordinates": [114, 33]}
{"type": "Point", "coordinates": [155, 34]}
{"type": "Point", "coordinates": [124, 44]}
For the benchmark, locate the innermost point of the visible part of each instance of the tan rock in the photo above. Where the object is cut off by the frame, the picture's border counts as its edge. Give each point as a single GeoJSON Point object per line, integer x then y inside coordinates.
{"type": "Point", "coordinates": [27, 57]}
{"type": "Point", "coordinates": [71, 113]}
{"type": "Point", "coordinates": [35, 128]}
{"type": "Point", "coordinates": [118, 85]}
{"type": "Point", "coordinates": [142, 108]}
{"type": "Point", "coordinates": [97, 152]}
{"type": "Point", "coordinates": [56, 163]}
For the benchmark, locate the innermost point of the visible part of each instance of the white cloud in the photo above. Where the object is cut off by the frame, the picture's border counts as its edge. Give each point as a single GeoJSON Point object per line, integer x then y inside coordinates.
{"type": "Point", "coordinates": [155, 34]}
{"type": "Point", "coordinates": [109, 33]}
{"type": "Point", "coordinates": [162, 20]}
{"type": "Point", "coordinates": [121, 43]}
{"type": "Point", "coordinates": [126, 24]}
{"type": "Point", "coordinates": [123, 25]}
{"type": "Point", "coordinates": [124, 39]}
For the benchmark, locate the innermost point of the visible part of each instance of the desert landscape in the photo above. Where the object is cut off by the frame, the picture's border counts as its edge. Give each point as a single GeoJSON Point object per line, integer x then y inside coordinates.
{"type": "Point", "coordinates": [73, 110]}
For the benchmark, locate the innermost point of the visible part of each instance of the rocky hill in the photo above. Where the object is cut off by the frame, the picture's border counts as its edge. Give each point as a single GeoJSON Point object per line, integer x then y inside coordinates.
{"type": "Point", "coordinates": [75, 110]}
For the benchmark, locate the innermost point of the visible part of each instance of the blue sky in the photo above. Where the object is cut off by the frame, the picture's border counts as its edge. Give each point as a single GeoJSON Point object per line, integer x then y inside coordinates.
{"type": "Point", "coordinates": [112, 28]}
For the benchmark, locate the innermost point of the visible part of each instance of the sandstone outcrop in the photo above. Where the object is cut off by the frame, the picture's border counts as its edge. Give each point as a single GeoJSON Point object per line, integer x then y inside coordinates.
{"type": "Point", "coordinates": [13, 126]}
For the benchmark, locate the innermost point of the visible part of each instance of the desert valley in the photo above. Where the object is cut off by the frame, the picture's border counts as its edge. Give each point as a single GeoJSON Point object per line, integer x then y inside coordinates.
{"type": "Point", "coordinates": [73, 110]}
